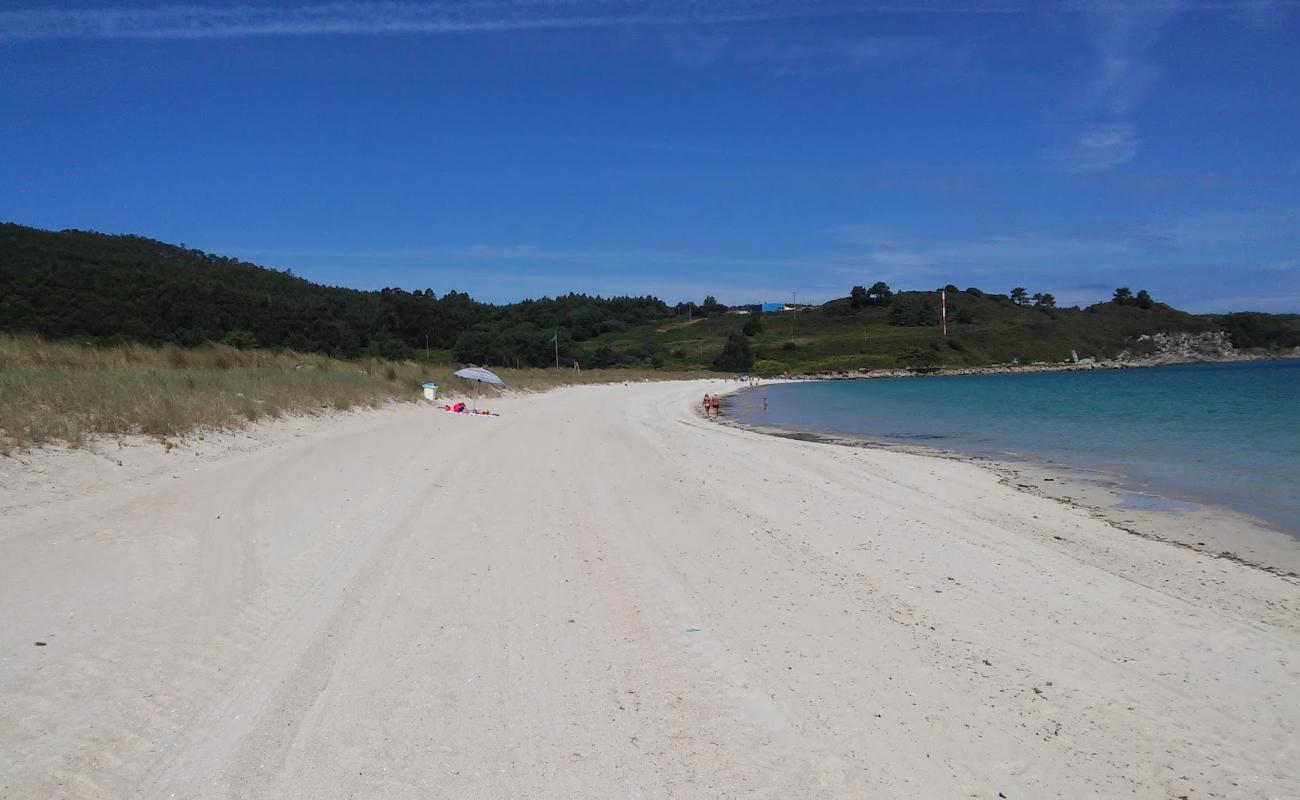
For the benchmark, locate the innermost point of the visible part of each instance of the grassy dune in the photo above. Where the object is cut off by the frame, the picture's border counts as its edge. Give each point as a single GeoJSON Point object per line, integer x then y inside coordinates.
{"type": "Point", "coordinates": [65, 393]}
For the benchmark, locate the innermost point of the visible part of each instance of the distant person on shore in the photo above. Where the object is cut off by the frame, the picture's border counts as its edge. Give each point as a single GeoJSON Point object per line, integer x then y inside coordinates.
{"type": "Point", "coordinates": [708, 404]}
{"type": "Point", "coordinates": [765, 402]}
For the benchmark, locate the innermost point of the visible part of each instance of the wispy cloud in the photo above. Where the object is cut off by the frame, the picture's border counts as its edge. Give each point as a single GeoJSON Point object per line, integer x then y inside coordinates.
{"type": "Point", "coordinates": [812, 53]}
{"type": "Point", "coordinates": [693, 33]}
{"type": "Point", "coordinates": [1099, 148]}
{"type": "Point", "coordinates": [213, 22]}
{"type": "Point", "coordinates": [669, 148]}
{"type": "Point", "coordinates": [513, 271]}
{"type": "Point", "coordinates": [359, 17]}
{"type": "Point", "coordinates": [545, 256]}
{"type": "Point", "coordinates": [1122, 38]}
{"type": "Point", "coordinates": [1194, 261]}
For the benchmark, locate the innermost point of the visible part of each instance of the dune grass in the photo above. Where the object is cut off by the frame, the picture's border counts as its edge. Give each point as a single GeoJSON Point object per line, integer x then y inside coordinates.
{"type": "Point", "coordinates": [58, 392]}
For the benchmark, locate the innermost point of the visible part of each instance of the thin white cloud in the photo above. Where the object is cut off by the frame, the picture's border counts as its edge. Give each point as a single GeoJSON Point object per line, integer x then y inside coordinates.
{"type": "Point", "coordinates": [1037, 252]}
{"type": "Point", "coordinates": [1122, 39]}
{"type": "Point", "coordinates": [1195, 261]}
{"type": "Point", "coordinates": [810, 53]}
{"type": "Point", "coordinates": [547, 256]}
{"type": "Point", "coordinates": [217, 22]}
{"type": "Point", "coordinates": [1255, 226]}
{"type": "Point", "coordinates": [1099, 148]}
{"type": "Point", "coordinates": [357, 17]}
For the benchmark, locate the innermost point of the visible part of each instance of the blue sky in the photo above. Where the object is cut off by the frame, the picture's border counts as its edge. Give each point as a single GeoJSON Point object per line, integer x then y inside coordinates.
{"type": "Point", "coordinates": [740, 148]}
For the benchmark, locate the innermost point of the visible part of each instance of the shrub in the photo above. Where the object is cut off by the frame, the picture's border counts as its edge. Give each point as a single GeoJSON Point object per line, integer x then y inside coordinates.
{"type": "Point", "coordinates": [917, 358]}
{"type": "Point", "coordinates": [911, 311]}
{"type": "Point", "coordinates": [736, 355]}
{"type": "Point", "coordinates": [240, 339]}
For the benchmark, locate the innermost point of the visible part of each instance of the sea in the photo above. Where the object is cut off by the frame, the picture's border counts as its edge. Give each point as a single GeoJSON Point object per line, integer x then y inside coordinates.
{"type": "Point", "coordinates": [1226, 434]}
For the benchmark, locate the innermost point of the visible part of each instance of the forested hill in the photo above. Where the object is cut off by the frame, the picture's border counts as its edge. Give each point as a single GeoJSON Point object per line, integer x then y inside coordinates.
{"type": "Point", "coordinates": [108, 289]}
{"type": "Point", "coordinates": [129, 288]}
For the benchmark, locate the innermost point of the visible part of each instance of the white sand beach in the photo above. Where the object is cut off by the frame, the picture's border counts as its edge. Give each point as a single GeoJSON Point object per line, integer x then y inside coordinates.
{"type": "Point", "coordinates": [600, 594]}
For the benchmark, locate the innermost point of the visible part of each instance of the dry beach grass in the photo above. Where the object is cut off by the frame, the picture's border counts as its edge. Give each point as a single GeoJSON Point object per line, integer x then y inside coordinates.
{"type": "Point", "coordinates": [65, 392]}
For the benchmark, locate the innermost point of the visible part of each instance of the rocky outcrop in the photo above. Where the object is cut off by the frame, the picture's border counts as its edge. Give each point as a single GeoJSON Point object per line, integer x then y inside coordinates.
{"type": "Point", "coordinates": [1174, 348]}
{"type": "Point", "coordinates": [1149, 350]}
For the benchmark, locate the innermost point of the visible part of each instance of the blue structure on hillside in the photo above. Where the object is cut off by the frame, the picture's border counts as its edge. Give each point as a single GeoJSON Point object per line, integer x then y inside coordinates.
{"type": "Point", "coordinates": [767, 308]}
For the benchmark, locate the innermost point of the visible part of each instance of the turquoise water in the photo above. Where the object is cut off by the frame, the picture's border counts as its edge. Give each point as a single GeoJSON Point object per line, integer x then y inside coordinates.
{"type": "Point", "coordinates": [1227, 434]}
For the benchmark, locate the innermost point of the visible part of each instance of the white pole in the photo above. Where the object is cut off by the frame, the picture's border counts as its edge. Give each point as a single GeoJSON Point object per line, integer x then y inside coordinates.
{"type": "Point", "coordinates": [943, 305]}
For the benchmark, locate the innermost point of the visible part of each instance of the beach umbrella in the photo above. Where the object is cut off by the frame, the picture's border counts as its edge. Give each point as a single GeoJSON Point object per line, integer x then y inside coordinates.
{"type": "Point", "coordinates": [479, 375]}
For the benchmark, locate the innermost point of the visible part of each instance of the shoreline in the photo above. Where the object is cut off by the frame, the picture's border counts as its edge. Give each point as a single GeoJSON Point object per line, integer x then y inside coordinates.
{"type": "Point", "coordinates": [1190, 523]}
{"type": "Point", "coordinates": [1037, 367]}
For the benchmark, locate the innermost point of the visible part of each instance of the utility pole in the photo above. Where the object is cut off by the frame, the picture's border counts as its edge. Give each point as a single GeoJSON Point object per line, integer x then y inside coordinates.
{"type": "Point", "coordinates": [943, 309]}
{"type": "Point", "coordinates": [426, 348]}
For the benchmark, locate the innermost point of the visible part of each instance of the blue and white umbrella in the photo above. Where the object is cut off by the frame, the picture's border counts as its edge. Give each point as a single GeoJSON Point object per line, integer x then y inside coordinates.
{"type": "Point", "coordinates": [479, 375]}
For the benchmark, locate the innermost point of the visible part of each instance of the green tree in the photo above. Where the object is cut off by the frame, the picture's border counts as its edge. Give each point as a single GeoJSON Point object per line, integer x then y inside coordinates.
{"type": "Point", "coordinates": [753, 325]}
{"type": "Point", "coordinates": [1019, 295]}
{"type": "Point", "coordinates": [244, 340]}
{"type": "Point", "coordinates": [917, 358]}
{"type": "Point", "coordinates": [879, 294]}
{"type": "Point", "coordinates": [605, 357]}
{"type": "Point", "coordinates": [912, 311]}
{"type": "Point", "coordinates": [1143, 299]}
{"type": "Point", "coordinates": [858, 297]}
{"type": "Point", "coordinates": [1044, 300]}
{"type": "Point", "coordinates": [736, 355]}
{"type": "Point", "coordinates": [1123, 296]}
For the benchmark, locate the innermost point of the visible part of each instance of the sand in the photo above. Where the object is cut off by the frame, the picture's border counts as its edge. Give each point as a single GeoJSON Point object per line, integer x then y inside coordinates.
{"type": "Point", "coordinates": [599, 594]}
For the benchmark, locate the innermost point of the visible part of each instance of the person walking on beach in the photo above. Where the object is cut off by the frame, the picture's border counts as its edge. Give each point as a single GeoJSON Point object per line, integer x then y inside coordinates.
{"type": "Point", "coordinates": [708, 404]}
